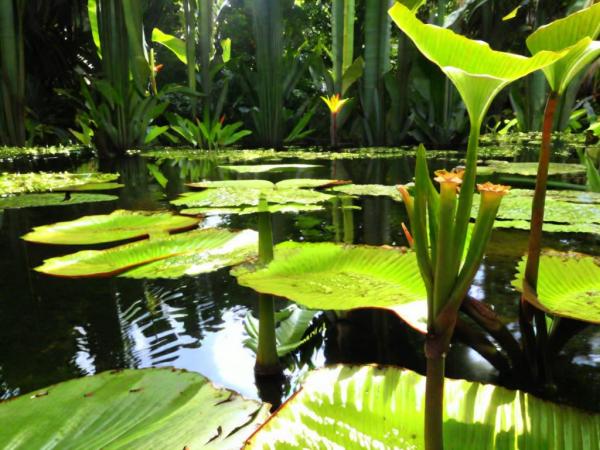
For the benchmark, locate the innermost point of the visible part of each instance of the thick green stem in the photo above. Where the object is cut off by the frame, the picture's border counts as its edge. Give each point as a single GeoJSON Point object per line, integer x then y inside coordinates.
{"type": "Point", "coordinates": [444, 279]}
{"type": "Point", "coordinates": [434, 403]}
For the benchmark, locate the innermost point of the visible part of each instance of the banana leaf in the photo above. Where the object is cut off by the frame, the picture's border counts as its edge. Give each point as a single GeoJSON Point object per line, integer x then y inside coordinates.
{"type": "Point", "coordinates": [116, 226]}
{"type": "Point", "coordinates": [147, 408]}
{"type": "Point", "coordinates": [349, 407]}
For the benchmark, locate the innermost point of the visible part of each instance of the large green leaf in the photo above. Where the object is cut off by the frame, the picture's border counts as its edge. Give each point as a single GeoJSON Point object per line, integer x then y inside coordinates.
{"type": "Point", "coordinates": [337, 277]}
{"type": "Point", "coordinates": [369, 190]}
{"type": "Point", "coordinates": [234, 197]}
{"type": "Point", "coordinates": [529, 168]}
{"type": "Point", "coordinates": [568, 286]}
{"type": "Point", "coordinates": [477, 71]}
{"type": "Point", "coordinates": [292, 208]}
{"type": "Point", "coordinates": [292, 183]}
{"type": "Point", "coordinates": [370, 407]}
{"type": "Point", "coordinates": [41, 200]}
{"type": "Point", "coordinates": [189, 253]}
{"type": "Point", "coordinates": [148, 408]}
{"type": "Point", "coordinates": [575, 32]}
{"type": "Point", "coordinates": [19, 183]}
{"type": "Point", "coordinates": [565, 211]}
{"type": "Point", "coordinates": [269, 168]}
{"type": "Point", "coordinates": [174, 44]}
{"type": "Point", "coordinates": [116, 226]}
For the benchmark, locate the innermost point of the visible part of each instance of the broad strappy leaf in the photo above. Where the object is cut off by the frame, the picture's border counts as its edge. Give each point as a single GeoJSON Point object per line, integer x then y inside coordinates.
{"type": "Point", "coordinates": [576, 33]}
{"type": "Point", "coordinates": [41, 200]}
{"type": "Point", "coordinates": [337, 277]}
{"type": "Point", "coordinates": [262, 168]}
{"type": "Point", "coordinates": [147, 408]}
{"type": "Point", "coordinates": [529, 168]}
{"type": "Point", "coordinates": [194, 252]}
{"type": "Point", "coordinates": [369, 190]}
{"type": "Point", "coordinates": [291, 325]}
{"type": "Point", "coordinates": [349, 407]}
{"type": "Point", "coordinates": [116, 226]}
{"type": "Point", "coordinates": [568, 286]}
{"type": "Point", "coordinates": [21, 183]}
{"type": "Point", "coordinates": [477, 71]}
{"type": "Point", "coordinates": [234, 197]}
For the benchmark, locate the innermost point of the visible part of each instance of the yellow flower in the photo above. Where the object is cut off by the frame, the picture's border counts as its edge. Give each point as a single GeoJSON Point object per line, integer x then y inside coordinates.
{"type": "Point", "coordinates": [493, 189]}
{"type": "Point", "coordinates": [335, 103]}
{"type": "Point", "coordinates": [443, 176]}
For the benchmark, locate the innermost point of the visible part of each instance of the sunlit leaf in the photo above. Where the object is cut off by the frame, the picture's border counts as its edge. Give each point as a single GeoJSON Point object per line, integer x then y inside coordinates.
{"type": "Point", "coordinates": [369, 190]}
{"type": "Point", "coordinates": [91, 187]}
{"type": "Point", "coordinates": [268, 168]}
{"type": "Point", "coordinates": [195, 252]}
{"type": "Point", "coordinates": [116, 226]}
{"type": "Point", "coordinates": [575, 32]}
{"type": "Point", "coordinates": [174, 44]}
{"type": "Point", "coordinates": [293, 208]}
{"type": "Point", "coordinates": [335, 277]}
{"type": "Point", "coordinates": [568, 286]}
{"type": "Point", "coordinates": [529, 168]}
{"type": "Point", "coordinates": [148, 408]}
{"type": "Point", "coordinates": [41, 200]}
{"type": "Point", "coordinates": [349, 407]}
{"type": "Point", "coordinates": [477, 71]}
{"type": "Point", "coordinates": [18, 183]}
{"type": "Point", "coordinates": [293, 183]}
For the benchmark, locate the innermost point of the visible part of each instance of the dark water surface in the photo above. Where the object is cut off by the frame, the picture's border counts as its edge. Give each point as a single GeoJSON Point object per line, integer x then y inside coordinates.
{"type": "Point", "coordinates": [55, 329]}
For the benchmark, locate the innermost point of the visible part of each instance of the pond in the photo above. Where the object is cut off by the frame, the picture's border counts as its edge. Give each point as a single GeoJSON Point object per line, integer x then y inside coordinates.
{"type": "Point", "coordinates": [54, 329]}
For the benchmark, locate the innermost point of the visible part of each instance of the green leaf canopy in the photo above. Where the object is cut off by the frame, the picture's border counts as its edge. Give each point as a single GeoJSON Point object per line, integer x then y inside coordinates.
{"type": "Point", "coordinates": [372, 407]}
{"type": "Point", "coordinates": [198, 251]}
{"type": "Point", "coordinates": [576, 33]}
{"type": "Point", "coordinates": [568, 286]}
{"type": "Point", "coordinates": [148, 408]}
{"type": "Point", "coordinates": [41, 200]}
{"type": "Point", "coordinates": [336, 277]}
{"type": "Point", "coordinates": [21, 183]}
{"type": "Point", "coordinates": [116, 226]}
{"type": "Point", "coordinates": [477, 71]}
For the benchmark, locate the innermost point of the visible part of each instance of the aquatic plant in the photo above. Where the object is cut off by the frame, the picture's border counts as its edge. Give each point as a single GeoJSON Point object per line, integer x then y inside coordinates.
{"type": "Point", "coordinates": [335, 105]}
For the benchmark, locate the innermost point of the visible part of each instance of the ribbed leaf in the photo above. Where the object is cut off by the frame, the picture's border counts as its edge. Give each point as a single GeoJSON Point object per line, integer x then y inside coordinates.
{"type": "Point", "coordinates": [368, 407]}
{"type": "Point", "coordinates": [477, 71]}
{"type": "Point", "coordinates": [18, 183]}
{"type": "Point", "coordinates": [191, 253]}
{"type": "Point", "coordinates": [268, 168]}
{"type": "Point", "coordinates": [174, 44]}
{"type": "Point", "coordinates": [568, 286]}
{"type": "Point", "coordinates": [232, 197]}
{"type": "Point", "coordinates": [575, 32]}
{"type": "Point", "coordinates": [336, 277]}
{"type": "Point", "coordinates": [41, 200]}
{"type": "Point", "coordinates": [116, 226]}
{"type": "Point", "coordinates": [148, 408]}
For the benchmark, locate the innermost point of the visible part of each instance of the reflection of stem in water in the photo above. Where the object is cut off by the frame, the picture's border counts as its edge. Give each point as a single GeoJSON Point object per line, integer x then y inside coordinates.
{"type": "Point", "coordinates": [335, 219]}
{"type": "Point", "coordinates": [348, 218]}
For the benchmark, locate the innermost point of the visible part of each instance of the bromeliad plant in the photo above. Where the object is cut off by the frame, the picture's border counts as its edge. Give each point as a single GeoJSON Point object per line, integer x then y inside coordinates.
{"type": "Point", "coordinates": [440, 222]}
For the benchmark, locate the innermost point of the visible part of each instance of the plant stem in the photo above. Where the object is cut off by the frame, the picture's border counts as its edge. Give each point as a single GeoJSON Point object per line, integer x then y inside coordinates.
{"type": "Point", "coordinates": [267, 361]}
{"type": "Point", "coordinates": [333, 130]}
{"type": "Point", "coordinates": [434, 402]}
{"type": "Point", "coordinates": [348, 219]}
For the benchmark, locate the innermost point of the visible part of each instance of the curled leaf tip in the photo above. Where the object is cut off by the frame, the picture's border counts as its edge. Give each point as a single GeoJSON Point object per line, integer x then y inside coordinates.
{"type": "Point", "coordinates": [454, 177]}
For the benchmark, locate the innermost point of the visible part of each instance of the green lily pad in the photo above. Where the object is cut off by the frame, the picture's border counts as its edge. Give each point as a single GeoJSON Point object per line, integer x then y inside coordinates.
{"type": "Point", "coordinates": [116, 226]}
{"type": "Point", "coordinates": [370, 190]}
{"type": "Point", "coordinates": [41, 200]}
{"type": "Point", "coordinates": [234, 197]}
{"type": "Point", "coordinates": [194, 252]}
{"type": "Point", "coordinates": [147, 408]}
{"type": "Point", "coordinates": [565, 211]}
{"type": "Point", "coordinates": [92, 187]}
{"type": "Point", "coordinates": [12, 153]}
{"type": "Point", "coordinates": [292, 208]}
{"type": "Point", "coordinates": [349, 407]}
{"type": "Point", "coordinates": [262, 168]}
{"type": "Point", "coordinates": [293, 183]}
{"type": "Point", "coordinates": [529, 169]}
{"type": "Point", "coordinates": [21, 183]}
{"type": "Point", "coordinates": [336, 277]}
{"type": "Point", "coordinates": [568, 286]}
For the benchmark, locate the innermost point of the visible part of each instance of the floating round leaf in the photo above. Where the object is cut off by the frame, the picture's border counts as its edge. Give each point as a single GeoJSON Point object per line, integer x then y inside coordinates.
{"type": "Point", "coordinates": [293, 208]}
{"type": "Point", "coordinates": [529, 168]}
{"type": "Point", "coordinates": [369, 407]}
{"type": "Point", "coordinates": [116, 226]}
{"type": "Point", "coordinates": [147, 408]}
{"type": "Point", "coordinates": [568, 286]}
{"type": "Point", "coordinates": [268, 168]}
{"type": "Point", "coordinates": [41, 200]}
{"type": "Point", "coordinates": [234, 197]}
{"type": "Point", "coordinates": [336, 277]}
{"type": "Point", "coordinates": [18, 183]}
{"type": "Point", "coordinates": [91, 187]}
{"type": "Point", "coordinates": [370, 190]}
{"type": "Point", "coordinates": [194, 252]}
{"type": "Point", "coordinates": [293, 183]}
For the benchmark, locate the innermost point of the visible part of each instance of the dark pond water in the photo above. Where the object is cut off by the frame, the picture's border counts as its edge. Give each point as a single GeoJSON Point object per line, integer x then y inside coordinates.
{"type": "Point", "coordinates": [55, 329]}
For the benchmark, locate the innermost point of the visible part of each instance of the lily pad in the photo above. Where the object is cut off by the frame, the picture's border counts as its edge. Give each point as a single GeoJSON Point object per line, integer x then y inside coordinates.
{"type": "Point", "coordinates": [41, 200]}
{"type": "Point", "coordinates": [91, 187]}
{"type": "Point", "coordinates": [293, 208]}
{"type": "Point", "coordinates": [370, 190]}
{"type": "Point", "coordinates": [336, 277]}
{"type": "Point", "coordinates": [116, 226]}
{"type": "Point", "coordinates": [235, 197]}
{"type": "Point", "coordinates": [568, 286]}
{"type": "Point", "coordinates": [293, 183]}
{"type": "Point", "coordinates": [262, 168]}
{"type": "Point", "coordinates": [349, 407]}
{"type": "Point", "coordinates": [529, 169]}
{"type": "Point", "coordinates": [20, 183]}
{"type": "Point", "coordinates": [197, 251]}
{"type": "Point", "coordinates": [147, 408]}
